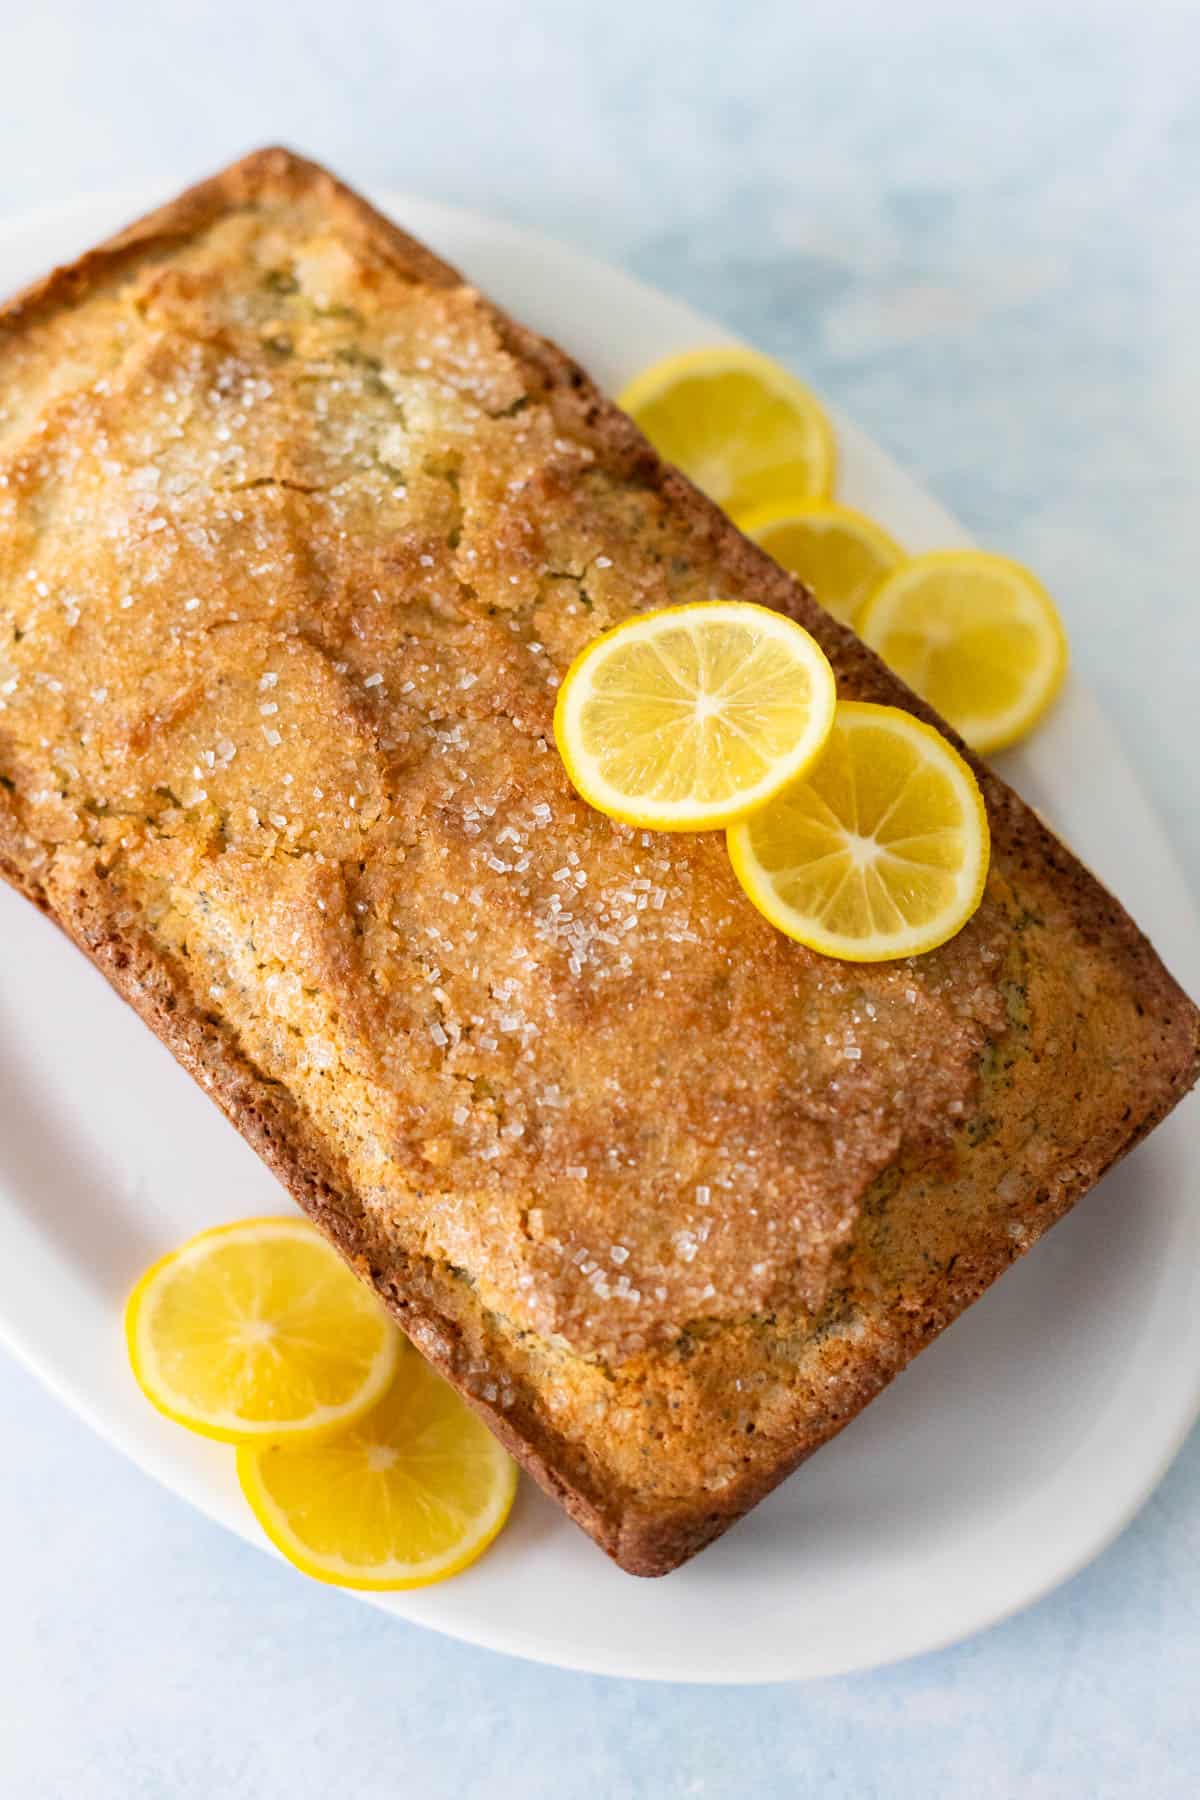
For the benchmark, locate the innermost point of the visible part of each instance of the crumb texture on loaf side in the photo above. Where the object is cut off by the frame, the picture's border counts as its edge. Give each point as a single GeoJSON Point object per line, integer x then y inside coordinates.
{"type": "Point", "coordinates": [297, 537]}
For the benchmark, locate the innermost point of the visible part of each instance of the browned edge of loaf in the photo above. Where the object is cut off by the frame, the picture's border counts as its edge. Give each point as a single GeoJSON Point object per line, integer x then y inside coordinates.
{"type": "Point", "coordinates": [641, 1541]}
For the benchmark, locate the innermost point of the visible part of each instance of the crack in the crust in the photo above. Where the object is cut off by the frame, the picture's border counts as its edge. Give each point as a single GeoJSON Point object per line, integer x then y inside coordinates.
{"type": "Point", "coordinates": [276, 481]}
{"type": "Point", "coordinates": [576, 580]}
{"type": "Point", "coordinates": [379, 377]}
{"type": "Point", "coordinates": [576, 575]}
{"type": "Point", "coordinates": [510, 411]}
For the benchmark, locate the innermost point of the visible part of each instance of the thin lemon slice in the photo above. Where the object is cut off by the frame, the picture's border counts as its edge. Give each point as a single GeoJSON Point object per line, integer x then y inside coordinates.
{"type": "Point", "coordinates": [974, 634]}
{"type": "Point", "coordinates": [880, 851]}
{"type": "Point", "coordinates": [412, 1493]}
{"type": "Point", "coordinates": [258, 1331]}
{"type": "Point", "coordinates": [840, 554]}
{"type": "Point", "coordinates": [686, 719]}
{"type": "Point", "coordinates": [740, 426]}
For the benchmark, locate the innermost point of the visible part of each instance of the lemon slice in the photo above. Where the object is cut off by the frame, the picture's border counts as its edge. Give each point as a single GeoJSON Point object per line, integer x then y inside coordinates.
{"type": "Point", "coordinates": [840, 554]}
{"type": "Point", "coordinates": [412, 1493]}
{"type": "Point", "coordinates": [258, 1330]}
{"type": "Point", "coordinates": [686, 719]}
{"type": "Point", "coordinates": [880, 851]}
{"type": "Point", "coordinates": [740, 426]}
{"type": "Point", "coordinates": [974, 634]}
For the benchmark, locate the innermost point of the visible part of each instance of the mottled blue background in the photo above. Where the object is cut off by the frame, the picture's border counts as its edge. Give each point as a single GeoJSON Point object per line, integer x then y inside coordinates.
{"type": "Point", "coordinates": [977, 229]}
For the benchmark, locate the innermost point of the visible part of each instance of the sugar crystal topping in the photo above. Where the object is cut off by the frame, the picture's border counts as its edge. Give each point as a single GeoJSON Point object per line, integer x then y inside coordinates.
{"type": "Point", "coordinates": [295, 704]}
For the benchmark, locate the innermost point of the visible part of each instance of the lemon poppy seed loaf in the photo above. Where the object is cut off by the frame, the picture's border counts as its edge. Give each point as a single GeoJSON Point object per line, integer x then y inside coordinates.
{"type": "Point", "coordinates": [297, 537]}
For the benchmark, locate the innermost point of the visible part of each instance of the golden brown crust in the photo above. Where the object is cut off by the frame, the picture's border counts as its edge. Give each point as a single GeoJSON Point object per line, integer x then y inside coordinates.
{"type": "Point", "coordinates": [1046, 1041]}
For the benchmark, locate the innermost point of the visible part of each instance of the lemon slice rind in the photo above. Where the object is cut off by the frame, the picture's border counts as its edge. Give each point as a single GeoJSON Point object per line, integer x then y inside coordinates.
{"type": "Point", "coordinates": [579, 688]}
{"type": "Point", "coordinates": [768, 525]}
{"type": "Point", "coordinates": [227, 1425]}
{"type": "Point", "coordinates": [735, 468]}
{"type": "Point", "coordinates": [762, 888]}
{"type": "Point", "coordinates": [331, 1477]}
{"type": "Point", "coordinates": [1029, 607]}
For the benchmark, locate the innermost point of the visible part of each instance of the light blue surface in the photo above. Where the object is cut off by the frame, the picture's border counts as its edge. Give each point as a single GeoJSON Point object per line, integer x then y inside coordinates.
{"type": "Point", "coordinates": [979, 236]}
